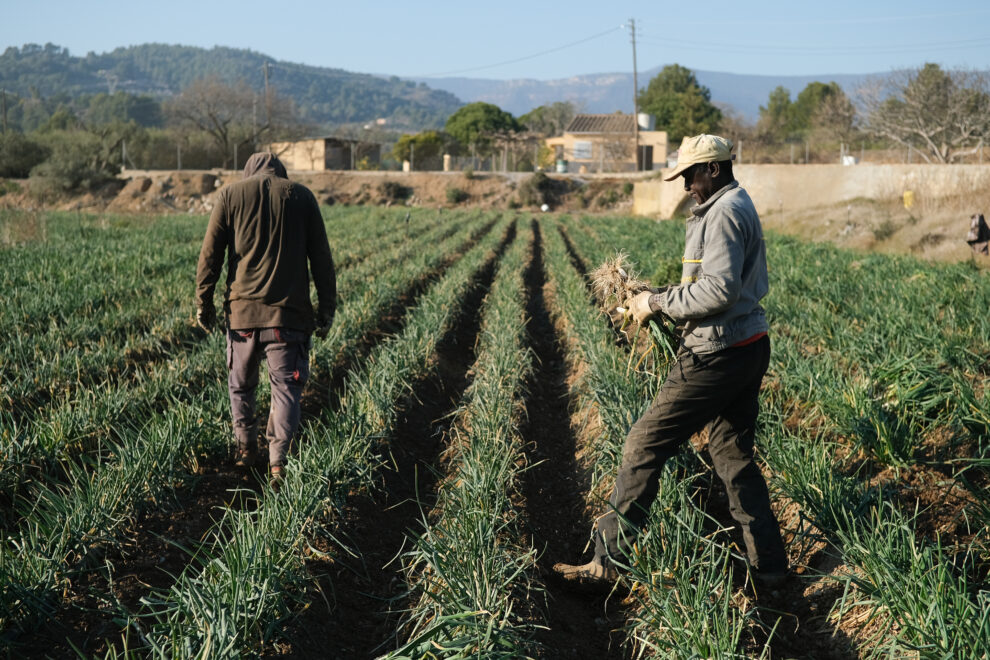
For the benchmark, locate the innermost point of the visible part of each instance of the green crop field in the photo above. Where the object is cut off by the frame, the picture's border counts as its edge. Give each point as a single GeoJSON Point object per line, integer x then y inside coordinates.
{"type": "Point", "coordinates": [461, 428]}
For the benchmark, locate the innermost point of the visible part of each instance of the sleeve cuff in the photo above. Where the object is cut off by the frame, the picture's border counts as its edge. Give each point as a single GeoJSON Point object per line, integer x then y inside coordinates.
{"type": "Point", "coordinates": [656, 302]}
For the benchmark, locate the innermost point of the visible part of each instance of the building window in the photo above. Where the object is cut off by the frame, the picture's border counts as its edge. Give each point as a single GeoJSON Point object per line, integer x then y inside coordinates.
{"type": "Point", "coordinates": [582, 150]}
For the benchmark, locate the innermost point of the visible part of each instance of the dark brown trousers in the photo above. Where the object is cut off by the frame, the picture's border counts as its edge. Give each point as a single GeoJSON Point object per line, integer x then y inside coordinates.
{"type": "Point", "coordinates": [720, 390]}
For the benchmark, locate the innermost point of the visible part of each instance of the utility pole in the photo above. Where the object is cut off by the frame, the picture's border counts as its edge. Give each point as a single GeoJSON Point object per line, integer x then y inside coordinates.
{"type": "Point", "coordinates": [268, 97]}
{"type": "Point", "coordinates": [632, 29]}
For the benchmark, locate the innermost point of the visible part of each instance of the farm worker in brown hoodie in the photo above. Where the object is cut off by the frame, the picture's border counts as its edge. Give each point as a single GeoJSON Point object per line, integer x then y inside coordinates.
{"type": "Point", "coordinates": [724, 353]}
{"type": "Point", "coordinates": [267, 228]}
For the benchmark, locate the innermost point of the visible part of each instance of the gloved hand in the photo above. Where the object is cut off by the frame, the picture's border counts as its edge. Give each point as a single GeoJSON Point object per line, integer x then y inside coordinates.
{"type": "Point", "coordinates": [206, 318]}
{"type": "Point", "coordinates": [638, 307]}
{"type": "Point", "coordinates": [323, 323]}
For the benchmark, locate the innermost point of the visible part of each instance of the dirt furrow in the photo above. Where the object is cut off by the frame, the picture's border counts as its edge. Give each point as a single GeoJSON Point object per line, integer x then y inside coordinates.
{"type": "Point", "coordinates": [578, 626]}
{"type": "Point", "coordinates": [365, 594]}
{"type": "Point", "coordinates": [326, 386]}
{"type": "Point", "coordinates": [576, 259]}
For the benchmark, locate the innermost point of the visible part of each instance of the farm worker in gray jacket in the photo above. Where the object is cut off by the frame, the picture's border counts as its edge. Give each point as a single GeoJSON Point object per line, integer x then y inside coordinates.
{"type": "Point", "coordinates": [716, 380]}
{"type": "Point", "coordinates": [267, 228]}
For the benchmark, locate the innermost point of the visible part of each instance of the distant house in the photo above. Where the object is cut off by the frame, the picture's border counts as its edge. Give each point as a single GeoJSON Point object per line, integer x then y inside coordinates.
{"type": "Point", "coordinates": [607, 143]}
{"type": "Point", "coordinates": [325, 153]}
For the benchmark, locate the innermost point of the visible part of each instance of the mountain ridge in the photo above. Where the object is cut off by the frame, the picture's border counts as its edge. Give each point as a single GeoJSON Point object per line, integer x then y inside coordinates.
{"type": "Point", "coordinates": [612, 91]}
{"type": "Point", "coordinates": [323, 95]}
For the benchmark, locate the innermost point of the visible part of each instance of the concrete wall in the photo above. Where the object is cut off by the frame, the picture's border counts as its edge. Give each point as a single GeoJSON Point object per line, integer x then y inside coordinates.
{"type": "Point", "coordinates": [794, 187]}
{"type": "Point", "coordinates": [613, 151]}
{"type": "Point", "coordinates": [301, 155]}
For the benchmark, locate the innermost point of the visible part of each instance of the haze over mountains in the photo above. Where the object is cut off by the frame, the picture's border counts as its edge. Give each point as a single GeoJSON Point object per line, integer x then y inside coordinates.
{"type": "Point", "coordinates": [328, 97]}
{"type": "Point", "coordinates": [608, 92]}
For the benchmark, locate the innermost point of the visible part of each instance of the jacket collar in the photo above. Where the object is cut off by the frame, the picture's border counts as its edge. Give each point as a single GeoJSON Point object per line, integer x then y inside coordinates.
{"type": "Point", "coordinates": [701, 209]}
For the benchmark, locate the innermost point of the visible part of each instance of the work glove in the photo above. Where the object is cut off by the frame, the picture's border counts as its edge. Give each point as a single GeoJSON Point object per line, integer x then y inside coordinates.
{"type": "Point", "coordinates": [638, 307]}
{"type": "Point", "coordinates": [323, 323]}
{"type": "Point", "coordinates": [206, 318]}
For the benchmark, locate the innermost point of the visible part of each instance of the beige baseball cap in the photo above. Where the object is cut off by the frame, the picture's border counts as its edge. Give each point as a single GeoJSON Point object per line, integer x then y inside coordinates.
{"type": "Point", "coordinates": [701, 149]}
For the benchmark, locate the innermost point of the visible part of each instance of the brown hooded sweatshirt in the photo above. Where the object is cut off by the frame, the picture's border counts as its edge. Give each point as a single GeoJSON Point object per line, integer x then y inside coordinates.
{"type": "Point", "coordinates": [268, 227]}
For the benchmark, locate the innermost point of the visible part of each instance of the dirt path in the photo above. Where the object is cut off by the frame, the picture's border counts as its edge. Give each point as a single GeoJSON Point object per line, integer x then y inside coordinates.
{"type": "Point", "coordinates": [366, 592]}
{"type": "Point", "coordinates": [555, 487]}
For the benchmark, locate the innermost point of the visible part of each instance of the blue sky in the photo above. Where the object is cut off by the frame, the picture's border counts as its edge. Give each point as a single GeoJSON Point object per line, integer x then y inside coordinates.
{"type": "Point", "coordinates": [542, 40]}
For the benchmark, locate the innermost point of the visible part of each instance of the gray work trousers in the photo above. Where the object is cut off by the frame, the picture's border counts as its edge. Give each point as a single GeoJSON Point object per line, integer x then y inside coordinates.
{"type": "Point", "coordinates": [287, 354]}
{"type": "Point", "coordinates": [719, 389]}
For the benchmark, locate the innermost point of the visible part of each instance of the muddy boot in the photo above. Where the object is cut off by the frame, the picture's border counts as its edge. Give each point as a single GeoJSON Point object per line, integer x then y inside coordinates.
{"type": "Point", "coordinates": [769, 585]}
{"type": "Point", "coordinates": [246, 453]}
{"type": "Point", "coordinates": [276, 476]}
{"type": "Point", "coordinates": [245, 458]}
{"type": "Point", "coordinates": [592, 577]}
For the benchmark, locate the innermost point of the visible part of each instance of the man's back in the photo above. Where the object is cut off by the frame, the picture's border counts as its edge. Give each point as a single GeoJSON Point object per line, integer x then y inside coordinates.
{"type": "Point", "coordinates": [268, 226]}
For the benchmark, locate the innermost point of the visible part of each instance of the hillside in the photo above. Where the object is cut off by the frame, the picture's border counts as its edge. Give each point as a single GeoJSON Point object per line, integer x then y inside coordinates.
{"type": "Point", "coordinates": [322, 95]}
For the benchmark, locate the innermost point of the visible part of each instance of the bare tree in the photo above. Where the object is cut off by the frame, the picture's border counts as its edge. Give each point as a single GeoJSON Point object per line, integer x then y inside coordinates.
{"type": "Point", "coordinates": [944, 115]}
{"type": "Point", "coordinates": [835, 119]}
{"type": "Point", "coordinates": [233, 115]}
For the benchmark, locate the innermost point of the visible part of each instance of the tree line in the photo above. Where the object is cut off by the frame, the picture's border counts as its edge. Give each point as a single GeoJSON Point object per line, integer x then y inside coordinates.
{"type": "Point", "coordinates": [64, 143]}
{"type": "Point", "coordinates": [69, 141]}
{"type": "Point", "coordinates": [941, 115]}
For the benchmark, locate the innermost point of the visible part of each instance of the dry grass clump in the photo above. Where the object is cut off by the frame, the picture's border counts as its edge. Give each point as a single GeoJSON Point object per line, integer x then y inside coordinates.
{"type": "Point", "coordinates": [616, 281]}
{"type": "Point", "coordinates": [613, 283]}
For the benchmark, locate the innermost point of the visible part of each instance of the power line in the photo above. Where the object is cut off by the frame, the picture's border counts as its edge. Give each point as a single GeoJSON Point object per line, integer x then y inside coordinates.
{"type": "Point", "coordinates": [521, 59]}
{"type": "Point", "coordinates": [885, 19]}
{"type": "Point", "coordinates": [821, 50]}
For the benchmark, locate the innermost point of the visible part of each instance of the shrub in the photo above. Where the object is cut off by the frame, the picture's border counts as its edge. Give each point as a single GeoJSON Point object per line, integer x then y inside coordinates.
{"type": "Point", "coordinates": [71, 165]}
{"type": "Point", "coordinates": [468, 173]}
{"type": "Point", "coordinates": [393, 191]}
{"type": "Point", "coordinates": [540, 189]}
{"type": "Point", "coordinates": [19, 154]}
{"type": "Point", "coordinates": [884, 230]}
{"type": "Point", "coordinates": [608, 198]}
{"type": "Point", "coordinates": [456, 195]}
{"type": "Point", "coordinates": [627, 188]}
{"type": "Point", "coordinates": [8, 187]}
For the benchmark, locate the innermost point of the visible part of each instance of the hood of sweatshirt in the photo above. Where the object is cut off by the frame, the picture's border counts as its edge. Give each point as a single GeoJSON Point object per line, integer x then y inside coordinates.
{"type": "Point", "coordinates": [264, 162]}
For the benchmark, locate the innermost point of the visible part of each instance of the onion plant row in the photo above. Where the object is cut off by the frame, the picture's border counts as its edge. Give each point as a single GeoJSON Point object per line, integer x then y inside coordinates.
{"type": "Point", "coordinates": [96, 419]}
{"type": "Point", "coordinates": [468, 569]}
{"type": "Point", "coordinates": [94, 500]}
{"type": "Point", "coordinates": [250, 577]}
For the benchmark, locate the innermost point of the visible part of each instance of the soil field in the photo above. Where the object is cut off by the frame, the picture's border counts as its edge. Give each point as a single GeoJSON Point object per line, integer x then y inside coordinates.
{"type": "Point", "coordinates": [462, 427]}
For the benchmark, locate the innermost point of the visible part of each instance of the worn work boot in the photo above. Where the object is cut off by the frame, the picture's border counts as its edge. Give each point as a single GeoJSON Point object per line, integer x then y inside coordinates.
{"type": "Point", "coordinates": [276, 476]}
{"type": "Point", "coordinates": [768, 585]}
{"type": "Point", "coordinates": [245, 458]}
{"type": "Point", "coordinates": [592, 577]}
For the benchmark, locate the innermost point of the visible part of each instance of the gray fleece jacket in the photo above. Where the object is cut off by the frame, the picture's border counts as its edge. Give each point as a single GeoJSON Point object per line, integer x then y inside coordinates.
{"type": "Point", "coordinates": [724, 274]}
